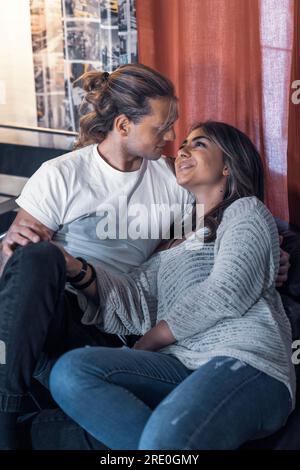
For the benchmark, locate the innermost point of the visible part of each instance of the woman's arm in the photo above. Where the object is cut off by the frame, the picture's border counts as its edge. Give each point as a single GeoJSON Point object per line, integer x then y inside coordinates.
{"type": "Point", "coordinates": [158, 337]}
{"type": "Point", "coordinates": [246, 262]}
{"type": "Point", "coordinates": [119, 303]}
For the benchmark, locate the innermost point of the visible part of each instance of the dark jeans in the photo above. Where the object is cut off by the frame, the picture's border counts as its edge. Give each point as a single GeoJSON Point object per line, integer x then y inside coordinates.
{"type": "Point", "coordinates": [39, 321]}
{"type": "Point", "coordinates": [51, 429]}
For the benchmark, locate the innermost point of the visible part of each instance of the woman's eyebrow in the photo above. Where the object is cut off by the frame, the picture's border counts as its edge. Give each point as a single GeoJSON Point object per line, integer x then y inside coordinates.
{"type": "Point", "coordinates": [201, 137]}
{"type": "Point", "coordinates": [196, 138]}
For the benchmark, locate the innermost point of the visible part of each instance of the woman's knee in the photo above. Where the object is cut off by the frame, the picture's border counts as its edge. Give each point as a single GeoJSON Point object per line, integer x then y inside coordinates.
{"type": "Point", "coordinates": [76, 369]}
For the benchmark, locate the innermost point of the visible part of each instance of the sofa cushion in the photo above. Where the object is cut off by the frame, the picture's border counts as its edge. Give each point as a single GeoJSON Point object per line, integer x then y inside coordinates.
{"type": "Point", "coordinates": [286, 438]}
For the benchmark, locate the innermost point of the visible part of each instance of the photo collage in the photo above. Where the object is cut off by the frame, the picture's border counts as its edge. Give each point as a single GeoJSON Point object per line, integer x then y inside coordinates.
{"type": "Point", "coordinates": [70, 37]}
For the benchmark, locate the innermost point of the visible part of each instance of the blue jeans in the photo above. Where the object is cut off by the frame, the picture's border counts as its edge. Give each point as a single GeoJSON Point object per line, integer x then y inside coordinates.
{"type": "Point", "coordinates": [134, 399]}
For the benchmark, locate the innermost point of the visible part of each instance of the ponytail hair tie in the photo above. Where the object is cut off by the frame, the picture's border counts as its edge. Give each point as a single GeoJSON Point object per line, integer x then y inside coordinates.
{"type": "Point", "coordinates": [105, 76]}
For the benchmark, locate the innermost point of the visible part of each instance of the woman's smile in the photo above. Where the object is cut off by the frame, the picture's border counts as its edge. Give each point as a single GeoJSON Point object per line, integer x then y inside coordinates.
{"type": "Point", "coordinates": [185, 165]}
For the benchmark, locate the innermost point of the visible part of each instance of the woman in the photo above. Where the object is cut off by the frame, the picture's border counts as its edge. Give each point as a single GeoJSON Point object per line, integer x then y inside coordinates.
{"type": "Point", "coordinates": [213, 367]}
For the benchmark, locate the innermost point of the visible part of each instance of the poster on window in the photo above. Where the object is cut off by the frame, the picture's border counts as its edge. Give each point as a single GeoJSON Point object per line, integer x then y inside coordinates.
{"type": "Point", "coordinates": [69, 38]}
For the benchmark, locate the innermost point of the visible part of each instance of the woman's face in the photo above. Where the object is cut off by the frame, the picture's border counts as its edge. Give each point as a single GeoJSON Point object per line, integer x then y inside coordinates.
{"type": "Point", "coordinates": [199, 162]}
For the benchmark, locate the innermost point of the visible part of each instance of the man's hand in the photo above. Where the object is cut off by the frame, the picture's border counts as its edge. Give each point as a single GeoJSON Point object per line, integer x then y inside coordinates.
{"type": "Point", "coordinates": [24, 230]}
{"type": "Point", "coordinates": [3, 261]}
{"type": "Point", "coordinates": [284, 266]}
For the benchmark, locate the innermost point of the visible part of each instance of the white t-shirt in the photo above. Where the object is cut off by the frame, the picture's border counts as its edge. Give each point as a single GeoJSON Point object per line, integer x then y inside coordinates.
{"type": "Point", "coordinates": [83, 199]}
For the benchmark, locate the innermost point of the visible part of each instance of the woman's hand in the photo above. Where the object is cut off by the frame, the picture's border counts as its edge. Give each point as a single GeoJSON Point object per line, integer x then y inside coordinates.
{"type": "Point", "coordinates": [158, 337]}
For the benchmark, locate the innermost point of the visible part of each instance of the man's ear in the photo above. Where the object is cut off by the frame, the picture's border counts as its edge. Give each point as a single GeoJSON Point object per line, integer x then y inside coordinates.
{"type": "Point", "coordinates": [122, 124]}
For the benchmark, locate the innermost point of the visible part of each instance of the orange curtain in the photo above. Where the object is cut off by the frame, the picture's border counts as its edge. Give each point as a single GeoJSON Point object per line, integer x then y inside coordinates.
{"type": "Point", "coordinates": [294, 129]}
{"type": "Point", "coordinates": [222, 56]}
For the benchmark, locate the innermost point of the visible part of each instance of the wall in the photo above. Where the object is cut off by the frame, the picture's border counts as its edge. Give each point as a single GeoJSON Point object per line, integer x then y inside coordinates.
{"type": "Point", "coordinates": [17, 97]}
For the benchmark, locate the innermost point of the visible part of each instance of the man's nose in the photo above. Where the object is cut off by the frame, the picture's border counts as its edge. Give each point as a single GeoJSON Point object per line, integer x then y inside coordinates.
{"type": "Point", "coordinates": [170, 135]}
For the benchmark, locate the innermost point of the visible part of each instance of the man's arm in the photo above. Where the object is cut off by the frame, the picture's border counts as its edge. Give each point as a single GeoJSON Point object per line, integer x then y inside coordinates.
{"type": "Point", "coordinates": [284, 266]}
{"type": "Point", "coordinates": [73, 267]}
{"type": "Point", "coordinates": [25, 229]}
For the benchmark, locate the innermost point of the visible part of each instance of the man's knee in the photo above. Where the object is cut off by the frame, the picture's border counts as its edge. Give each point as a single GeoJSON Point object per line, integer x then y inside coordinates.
{"type": "Point", "coordinates": [40, 257]}
{"type": "Point", "coordinates": [41, 252]}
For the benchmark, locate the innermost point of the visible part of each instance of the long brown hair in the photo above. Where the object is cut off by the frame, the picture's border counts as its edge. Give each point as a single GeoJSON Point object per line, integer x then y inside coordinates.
{"type": "Point", "coordinates": [246, 169]}
{"type": "Point", "coordinates": [127, 91]}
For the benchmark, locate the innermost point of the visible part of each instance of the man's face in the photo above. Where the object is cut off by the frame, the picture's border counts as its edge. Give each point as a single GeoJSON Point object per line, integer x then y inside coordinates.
{"type": "Point", "coordinates": [148, 137]}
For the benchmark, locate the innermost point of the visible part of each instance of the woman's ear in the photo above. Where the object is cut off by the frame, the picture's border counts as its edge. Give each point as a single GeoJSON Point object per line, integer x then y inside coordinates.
{"type": "Point", "coordinates": [226, 171]}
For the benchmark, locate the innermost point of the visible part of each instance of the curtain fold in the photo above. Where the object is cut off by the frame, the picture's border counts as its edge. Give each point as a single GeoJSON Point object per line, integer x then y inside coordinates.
{"type": "Point", "coordinates": [229, 60]}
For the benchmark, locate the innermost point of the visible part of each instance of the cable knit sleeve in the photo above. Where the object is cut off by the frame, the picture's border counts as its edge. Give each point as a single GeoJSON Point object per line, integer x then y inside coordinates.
{"type": "Point", "coordinates": [128, 302]}
{"type": "Point", "coordinates": [245, 265]}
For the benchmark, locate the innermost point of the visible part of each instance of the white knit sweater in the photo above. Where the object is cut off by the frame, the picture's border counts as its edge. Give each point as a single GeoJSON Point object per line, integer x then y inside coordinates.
{"type": "Point", "coordinates": [218, 300]}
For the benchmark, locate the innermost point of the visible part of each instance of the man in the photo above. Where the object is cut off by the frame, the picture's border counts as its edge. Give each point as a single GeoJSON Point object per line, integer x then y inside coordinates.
{"type": "Point", "coordinates": [116, 168]}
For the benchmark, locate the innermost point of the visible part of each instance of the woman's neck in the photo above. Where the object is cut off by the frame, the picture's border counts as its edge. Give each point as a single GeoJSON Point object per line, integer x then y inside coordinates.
{"type": "Point", "coordinates": [210, 197]}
